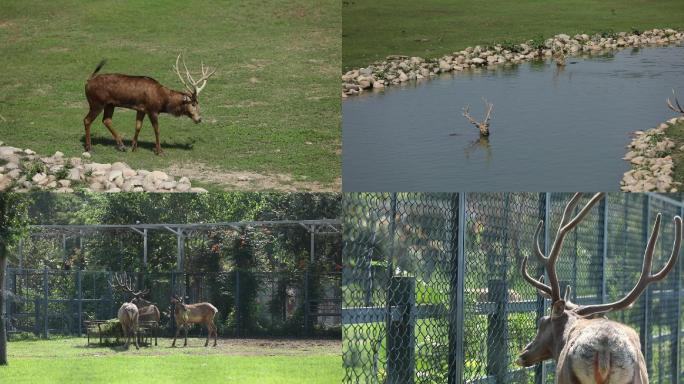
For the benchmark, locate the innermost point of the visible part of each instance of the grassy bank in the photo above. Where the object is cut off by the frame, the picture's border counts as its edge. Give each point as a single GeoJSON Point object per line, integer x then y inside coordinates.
{"type": "Point", "coordinates": [271, 109]}
{"type": "Point", "coordinates": [244, 361]}
{"type": "Point", "coordinates": [375, 29]}
{"type": "Point", "coordinates": [676, 133]}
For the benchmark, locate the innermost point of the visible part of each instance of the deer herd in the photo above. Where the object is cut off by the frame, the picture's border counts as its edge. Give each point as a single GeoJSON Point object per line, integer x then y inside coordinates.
{"type": "Point", "coordinates": [138, 310]}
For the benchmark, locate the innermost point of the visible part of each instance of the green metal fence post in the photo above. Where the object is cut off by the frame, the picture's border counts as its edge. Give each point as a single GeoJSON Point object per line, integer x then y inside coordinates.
{"type": "Point", "coordinates": [79, 283]}
{"type": "Point", "coordinates": [238, 312]}
{"type": "Point", "coordinates": [497, 331]}
{"type": "Point", "coordinates": [307, 304]}
{"type": "Point", "coordinates": [400, 334]}
{"type": "Point", "coordinates": [456, 304]}
{"type": "Point", "coordinates": [544, 207]}
{"type": "Point", "coordinates": [603, 245]}
{"type": "Point", "coordinates": [677, 347]}
{"type": "Point", "coordinates": [45, 303]}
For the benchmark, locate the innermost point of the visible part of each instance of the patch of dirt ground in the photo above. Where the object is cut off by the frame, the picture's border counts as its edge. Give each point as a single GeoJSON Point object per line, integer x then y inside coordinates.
{"type": "Point", "coordinates": [230, 347]}
{"type": "Point", "coordinates": [249, 181]}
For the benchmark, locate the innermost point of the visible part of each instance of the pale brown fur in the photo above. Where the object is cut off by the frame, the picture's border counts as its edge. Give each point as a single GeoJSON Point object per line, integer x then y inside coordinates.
{"type": "Point", "coordinates": [187, 314]}
{"type": "Point", "coordinates": [128, 317]}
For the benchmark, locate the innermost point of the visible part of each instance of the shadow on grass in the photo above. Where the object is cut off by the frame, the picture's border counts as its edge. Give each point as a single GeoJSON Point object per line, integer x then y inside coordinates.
{"type": "Point", "coordinates": [114, 346]}
{"type": "Point", "coordinates": [149, 145]}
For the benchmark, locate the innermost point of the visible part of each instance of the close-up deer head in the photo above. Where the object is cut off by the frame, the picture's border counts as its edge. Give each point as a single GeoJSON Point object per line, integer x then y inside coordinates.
{"type": "Point", "coordinates": [194, 87]}
{"type": "Point", "coordinates": [586, 345]}
{"type": "Point", "coordinates": [484, 125]}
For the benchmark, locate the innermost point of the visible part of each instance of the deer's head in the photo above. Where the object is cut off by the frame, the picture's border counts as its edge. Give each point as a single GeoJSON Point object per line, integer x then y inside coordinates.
{"type": "Point", "coordinates": [552, 328]}
{"type": "Point", "coordinates": [190, 102]}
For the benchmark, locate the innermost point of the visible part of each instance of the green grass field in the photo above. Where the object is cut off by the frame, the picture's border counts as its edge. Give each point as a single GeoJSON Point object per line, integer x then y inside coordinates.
{"type": "Point", "coordinates": [272, 109]}
{"type": "Point", "coordinates": [234, 361]}
{"type": "Point", "coordinates": [430, 28]}
{"type": "Point", "coordinates": [676, 133]}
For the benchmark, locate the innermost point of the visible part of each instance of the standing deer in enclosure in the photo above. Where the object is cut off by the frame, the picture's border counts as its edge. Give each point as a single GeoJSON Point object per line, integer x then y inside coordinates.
{"type": "Point", "coordinates": [128, 317]}
{"type": "Point", "coordinates": [187, 314]}
{"type": "Point", "coordinates": [671, 105]}
{"type": "Point", "coordinates": [147, 311]}
{"type": "Point", "coordinates": [144, 95]}
{"type": "Point", "coordinates": [587, 347]}
{"type": "Point", "coordinates": [484, 125]}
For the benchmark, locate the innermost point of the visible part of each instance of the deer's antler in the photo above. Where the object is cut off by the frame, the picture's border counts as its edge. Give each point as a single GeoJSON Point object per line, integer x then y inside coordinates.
{"type": "Point", "coordinates": [194, 86]}
{"type": "Point", "coordinates": [124, 283]}
{"type": "Point", "coordinates": [484, 125]}
{"type": "Point", "coordinates": [552, 290]}
{"type": "Point", "coordinates": [679, 108]}
{"type": "Point", "coordinates": [646, 277]}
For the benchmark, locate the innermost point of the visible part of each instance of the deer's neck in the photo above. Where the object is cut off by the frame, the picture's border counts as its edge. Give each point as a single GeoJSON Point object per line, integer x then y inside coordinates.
{"type": "Point", "coordinates": [174, 102]}
{"type": "Point", "coordinates": [561, 334]}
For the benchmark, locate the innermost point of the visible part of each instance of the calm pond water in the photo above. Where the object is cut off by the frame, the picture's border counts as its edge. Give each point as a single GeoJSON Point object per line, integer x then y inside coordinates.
{"type": "Point", "coordinates": [552, 130]}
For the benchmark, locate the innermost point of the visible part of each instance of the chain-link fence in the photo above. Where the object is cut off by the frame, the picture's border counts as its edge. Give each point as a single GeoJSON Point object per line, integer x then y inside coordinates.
{"type": "Point", "coordinates": [432, 290]}
{"type": "Point", "coordinates": [249, 303]}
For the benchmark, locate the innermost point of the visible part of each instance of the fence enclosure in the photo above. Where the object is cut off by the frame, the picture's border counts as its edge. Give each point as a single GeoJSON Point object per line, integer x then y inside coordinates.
{"type": "Point", "coordinates": [432, 290]}
{"type": "Point", "coordinates": [46, 301]}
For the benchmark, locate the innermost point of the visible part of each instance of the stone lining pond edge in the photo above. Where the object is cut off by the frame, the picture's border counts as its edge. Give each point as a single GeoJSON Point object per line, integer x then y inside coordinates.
{"type": "Point", "coordinates": [650, 158]}
{"type": "Point", "coordinates": [23, 170]}
{"type": "Point", "coordinates": [396, 69]}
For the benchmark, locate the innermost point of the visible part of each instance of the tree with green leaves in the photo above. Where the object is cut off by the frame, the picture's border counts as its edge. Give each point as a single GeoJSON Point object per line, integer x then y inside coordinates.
{"type": "Point", "coordinates": [14, 222]}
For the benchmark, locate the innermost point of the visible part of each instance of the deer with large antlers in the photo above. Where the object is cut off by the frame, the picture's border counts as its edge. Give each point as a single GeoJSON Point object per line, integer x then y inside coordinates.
{"type": "Point", "coordinates": [670, 105]}
{"type": "Point", "coordinates": [188, 314]}
{"type": "Point", "coordinates": [144, 95]}
{"type": "Point", "coordinates": [483, 126]}
{"type": "Point", "coordinates": [587, 347]}
{"type": "Point", "coordinates": [147, 311]}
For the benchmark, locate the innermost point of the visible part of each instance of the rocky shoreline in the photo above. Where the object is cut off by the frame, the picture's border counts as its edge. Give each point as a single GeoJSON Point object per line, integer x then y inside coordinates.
{"type": "Point", "coordinates": [397, 69]}
{"type": "Point", "coordinates": [651, 161]}
{"type": "Point", "coordinates": [23, 170]}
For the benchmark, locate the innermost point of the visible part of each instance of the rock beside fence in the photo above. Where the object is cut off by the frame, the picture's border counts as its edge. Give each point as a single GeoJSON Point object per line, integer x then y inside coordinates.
{"type": "Point", "coordinates": [23, 170]}
{"type": "Point", "coordinates": [651, 161]}
{"type": "Point", "coordinates": [398, 69]}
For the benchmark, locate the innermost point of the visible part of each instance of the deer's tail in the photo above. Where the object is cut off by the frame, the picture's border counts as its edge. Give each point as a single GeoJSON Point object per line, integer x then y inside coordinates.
{"type": "Point", "coordinates": [97, 69]}
{"type": "Point", "coordinates": [602, 366]}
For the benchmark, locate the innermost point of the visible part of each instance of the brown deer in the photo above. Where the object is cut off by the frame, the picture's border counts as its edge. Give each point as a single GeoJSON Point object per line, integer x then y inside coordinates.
{"type": "Point", "coordinates": [587, 347]}
{"type": "Point", "coordinates": [144, 95]}
{"type": "Point", "coordinates": [147, 311]}
{"type": "Point", "coordinates": [484, 125]}
{"type": "Point", "coordinates": [670, 105]}
{"type": "Point", "coordinates": [187, 314]}
{"type": "Point", "coordinates": [128, 318]}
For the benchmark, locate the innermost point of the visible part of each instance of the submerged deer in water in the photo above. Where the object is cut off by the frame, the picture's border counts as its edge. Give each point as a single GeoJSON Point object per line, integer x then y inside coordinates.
{"type": "Point", "coordinates": [587, 347]}
{"type": "Point", "coordinates": [484, 125]}
{"type": "Point", "coordinates": [144, 95]}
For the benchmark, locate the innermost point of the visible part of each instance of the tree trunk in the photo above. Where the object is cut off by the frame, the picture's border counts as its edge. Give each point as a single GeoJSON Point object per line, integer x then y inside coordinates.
{"type": "Point", "coordinates": [3, 338]}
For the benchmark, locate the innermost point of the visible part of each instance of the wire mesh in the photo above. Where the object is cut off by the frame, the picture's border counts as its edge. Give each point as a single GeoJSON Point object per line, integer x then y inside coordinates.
{"type": "Point", "coordinates": [411, 316]}
{"type": "Point", "coordinates": [49, 301]}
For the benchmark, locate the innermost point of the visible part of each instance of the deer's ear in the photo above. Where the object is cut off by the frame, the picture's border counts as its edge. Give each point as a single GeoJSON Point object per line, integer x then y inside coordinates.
{"type": "Point", "coordinates": [558, 309]}
{"type": "Point", "coordinates": [186, 99]}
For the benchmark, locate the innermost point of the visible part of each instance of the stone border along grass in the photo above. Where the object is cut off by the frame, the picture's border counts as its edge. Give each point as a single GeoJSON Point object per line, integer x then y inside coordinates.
{"type": "Point", "coordinates": [651, 161]}
{"type": "Point", "coordinates": [400, 69]}
{"type": "Point", "coordinates": [24, 171]}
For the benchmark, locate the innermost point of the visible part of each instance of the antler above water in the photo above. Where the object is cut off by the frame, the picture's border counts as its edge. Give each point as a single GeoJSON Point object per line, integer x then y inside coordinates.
{"type": "Point", "coordinates": [670, 105]}
{"type": "Point", "coordinates": [484, 125]}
